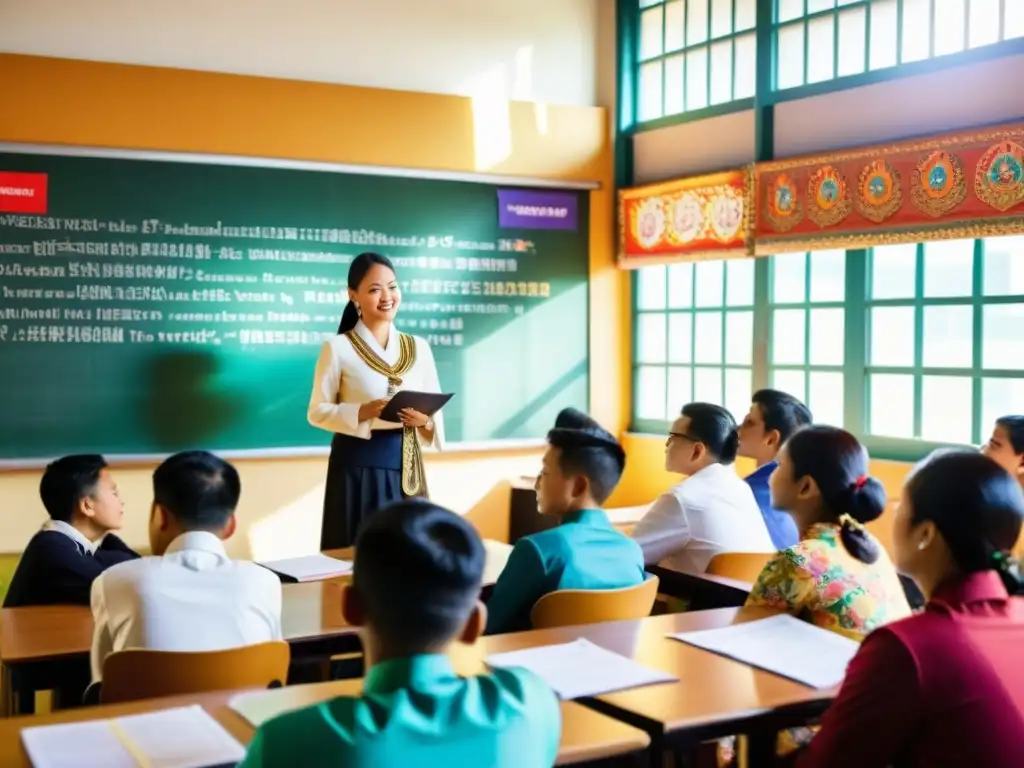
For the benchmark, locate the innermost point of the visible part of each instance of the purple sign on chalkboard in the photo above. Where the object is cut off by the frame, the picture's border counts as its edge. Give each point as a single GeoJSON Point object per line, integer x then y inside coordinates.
{"type": "Point", "coordinates": [528, 209]}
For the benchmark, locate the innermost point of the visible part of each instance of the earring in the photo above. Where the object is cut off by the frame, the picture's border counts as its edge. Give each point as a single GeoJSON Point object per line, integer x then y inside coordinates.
{"type": "Point", "coordinates": [359, 311]}
{"type": "Point", "coordinates": [921, 546]}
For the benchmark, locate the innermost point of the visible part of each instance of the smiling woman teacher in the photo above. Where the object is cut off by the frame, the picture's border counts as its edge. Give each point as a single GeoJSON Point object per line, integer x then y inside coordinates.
{"type": "Point", "coordinates": [373, 462]}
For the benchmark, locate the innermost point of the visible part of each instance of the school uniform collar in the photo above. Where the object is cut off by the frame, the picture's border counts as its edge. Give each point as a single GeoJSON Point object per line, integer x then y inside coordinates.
{"type": "Point", "coordinates": [977, 587]}
{"type": "Point", "coordinates": [366, 335]}
{"type": "Point", "coordinates": [203, 541]}
{"type": "Point", "coordinates": [762, 473]}
{"type": "Point", "coordinates": [593, 517]}
{"type": "Point", "coordinates": [59, 526]}
{"type": "Point", "coordinates": [415, 672]}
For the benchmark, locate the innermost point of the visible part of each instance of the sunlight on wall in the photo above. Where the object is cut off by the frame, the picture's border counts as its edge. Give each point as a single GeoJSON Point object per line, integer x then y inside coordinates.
{"type": "Point", "coordinates": [289, 531]}
{"type": "Point", "coordinates": [492, 129]}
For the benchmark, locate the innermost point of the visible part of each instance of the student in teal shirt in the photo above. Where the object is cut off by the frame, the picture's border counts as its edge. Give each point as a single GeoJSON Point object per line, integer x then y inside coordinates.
{"type": "Point", "coordinates": [417, 575]}
{"type": "Point", "coordinates": [581, 467]}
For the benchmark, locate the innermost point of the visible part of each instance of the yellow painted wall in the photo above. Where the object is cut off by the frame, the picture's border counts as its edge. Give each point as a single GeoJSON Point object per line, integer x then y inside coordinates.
{"type": "Point", "coordinates": [59, 101]}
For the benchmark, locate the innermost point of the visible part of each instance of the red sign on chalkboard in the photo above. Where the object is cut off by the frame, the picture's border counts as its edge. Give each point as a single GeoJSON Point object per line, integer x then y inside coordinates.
{"type": "Point", "coordinates": [22, 192]}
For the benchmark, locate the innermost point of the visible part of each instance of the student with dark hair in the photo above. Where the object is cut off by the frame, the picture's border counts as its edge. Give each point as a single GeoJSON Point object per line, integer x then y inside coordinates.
{"type": "Point", "coordinates": [581, 467]}
{"type": "Point", "coordinates": [1006, 445]}
{"type": "Point", "coordinates": [943, 687]}
{"type": "Point", "coordinates": [710, 512]}
{"type": "Point", "coordinates": [837, 576]}
{"type": "Point", "coordinates": [76, 544]}
{"type": "Point", "coordinates": [773, 417]}
{"type": "Point", "coordinates": [415, 584]}
{"type": "Point", "coordinates": [190, 596]}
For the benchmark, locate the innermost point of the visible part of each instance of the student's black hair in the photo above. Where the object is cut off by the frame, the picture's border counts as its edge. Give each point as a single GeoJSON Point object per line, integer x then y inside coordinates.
{"type": "Point", "coordinates": [838, 463]}
{"type": "Point", "coordinates": [357, 270]}
{"type": "Point", "coordinates": [201, 490]}
{"type": "Point", "coordinates": [588, 449]}
{"type": "Point", "coordinates": [977, 506]}
{"type": "Point", "coordinates": [1014, 426]}
{"type": "Point", "coordinates": [67, 481]}
{"type": "Point", "coordinates": [715, 427]}
{"type": "Point", "coordinates": [781, 411]}
{"type": "Point", "coordinates": [418, 570]}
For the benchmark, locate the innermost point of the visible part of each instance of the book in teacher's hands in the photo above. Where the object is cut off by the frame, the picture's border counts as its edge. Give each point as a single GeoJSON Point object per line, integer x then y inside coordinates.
{"type": "Point", "coordinates": [427, 403]}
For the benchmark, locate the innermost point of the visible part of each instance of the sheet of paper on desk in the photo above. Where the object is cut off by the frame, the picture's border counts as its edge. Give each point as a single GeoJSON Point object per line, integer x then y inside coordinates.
{"type": "Point", "coordinates": [784, 645]}
{"type": "Point", "coordinates": [310, 567]}
{"type": "Point", "coordinates": [186, 737]}
{"type": "Point", "coordinates": [259, 706]}
{"type": "Point", "coordinates": [581, 668]}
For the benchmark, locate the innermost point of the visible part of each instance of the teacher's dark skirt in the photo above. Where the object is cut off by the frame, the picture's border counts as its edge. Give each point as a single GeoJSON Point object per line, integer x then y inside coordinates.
{"type": "Point", "coordinates": [362, 477]}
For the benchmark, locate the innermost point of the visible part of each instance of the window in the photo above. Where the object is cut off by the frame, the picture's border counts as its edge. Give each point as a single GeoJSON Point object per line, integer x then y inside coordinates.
{"type": "Point", "coordinates": [819, 40]}
{"type": "Point", "coordinates": [693, 54]}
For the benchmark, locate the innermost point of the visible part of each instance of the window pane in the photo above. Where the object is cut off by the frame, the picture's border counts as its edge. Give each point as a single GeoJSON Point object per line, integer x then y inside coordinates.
{"type": "Point", "coordinates": [946, 409]}
{"type": "Point", "coordinates": [738, 388]}
{"type": "Point", "coordinates": [697, 79]}
{"type": "Point", "coordinates": [721, 72]}
{"type": "Point", "coordinates": [651, 338]}
{"type": "Point", "coordinates": [827, 339]}
{"type": "Point", "coordinates": [999, 397]}
{"type": "Point", "coordinates": [984, 23]}
{"type": "Point", "coordinates": [828, 275]}
{"type": "Point", "coordinates": [680, 285]}
{"type": "Point", "coordinates": [949, 268]}
{"type": "Point", "coordinates": [707, 337]}
{"type": "Point", "coordinates": [788, 277]}
{"type": "Point", "coordinates": [746, 54]}
{"type": "Point", "coordinates": [892, 405]}
{"type": "Point", "coordinates": [1001, 338]}
{"type": "Point", "coordinates": [883, 42]}
{"type": "Point", "coordinates": [892, 336]}
{"type": "Point", "coordinates": [1013, 24]}
{"type": "Point", "coordinates": [650, 390]}
{"type": "Point", "coordinates": [791, 382]}
{"type": "Point", "coordinates": [790, 61]}
{"type": "Point", "coordinates": [852, 41]}
{"type": "Point", "coordinates": [821, 49]}
{"type": "Point", "coordinates": [650, 33]}
{"type": "Point", "coordinates": [948, 337]}
{"type": "Point", "coordinates": [650, 288]}
{"type": "Point", "coordinates": [1004, 266]}
{"type": "Point", "coordinates": [680, 337]}
{"type": "Point", "coordinates": [721, 17]}
{"type": "Point", "coordinates": [746, 14]}
{"type": "Point", "coordinates": [675, 32]}
{"type": "Point", "coordinates": [696, 21]}
{"type": "Point", "coordinates": [813, 6]}
{"type": "Point", "coordinates": [949, 26]}
{"type": "Point", "coordinates": [826, 398]}
{"type": "Point", "coordinates": [650, 91]}
{"type": "Point", "coordinates": [894, 271]}
{"type": "Point", "coordinates": [788, 329]}
{"type": "Point", "coordinates": [916, 30]}
{"type": "Point", "coordinates": [680, 390]}
{"type": "Point", "coordinates": [710, 283]}
{"type": "Point", "coordinates": [739, 338]}
{"type": "Point", "coordinates": [707, 385]}
{"type": "Point", "coordinates": [647, 3]}
{"type": "Point", "coordinates": [790, 9]}
{"type": "Point", "coordinates": [674, 85]}
{"type": "Point", "coordinates": [739, 290]}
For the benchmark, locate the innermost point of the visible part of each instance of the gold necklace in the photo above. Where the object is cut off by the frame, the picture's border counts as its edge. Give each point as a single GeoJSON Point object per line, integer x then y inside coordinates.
{"type": "Point", "coordinates": [394, 373]}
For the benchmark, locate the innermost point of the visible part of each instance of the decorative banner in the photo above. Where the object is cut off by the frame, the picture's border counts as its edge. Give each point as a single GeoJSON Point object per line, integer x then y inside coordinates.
{"type": "Point", "coordinates": [958, 185]}
{"type": "Point", "coordinates": [686, 220]}
{"type": "Point", "coordinates": [530, 209]}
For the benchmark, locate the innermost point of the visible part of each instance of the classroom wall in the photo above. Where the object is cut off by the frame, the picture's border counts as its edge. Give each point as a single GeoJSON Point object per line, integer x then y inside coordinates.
{"type": "Point", "coordinates": [63, 101]}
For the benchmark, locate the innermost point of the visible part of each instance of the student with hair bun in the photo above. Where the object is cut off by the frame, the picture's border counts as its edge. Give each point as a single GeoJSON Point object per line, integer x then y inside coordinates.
{"type": "Point", "coordinates": [837, 576]}
{"type": "Point", "coordinates": [713, 510]}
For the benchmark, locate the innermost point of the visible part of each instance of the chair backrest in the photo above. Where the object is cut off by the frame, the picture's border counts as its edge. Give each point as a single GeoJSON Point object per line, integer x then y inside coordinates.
{"type": "Point", "coordinates": [142, 674]}
{"type": "Point", "coordinates": [742, 566]}
{"type": "Point", "coordinates": [589, 606]}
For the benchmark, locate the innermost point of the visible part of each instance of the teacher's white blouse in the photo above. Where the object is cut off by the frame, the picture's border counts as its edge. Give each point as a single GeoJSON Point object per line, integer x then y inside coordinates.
{"type": "Point", "coordinates": [343, 382]}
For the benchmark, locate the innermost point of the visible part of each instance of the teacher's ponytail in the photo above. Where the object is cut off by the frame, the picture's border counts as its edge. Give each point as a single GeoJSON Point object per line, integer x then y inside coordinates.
{"type": "Point", "coordinates": [356, 272]}
{"type": "Point", "coordinates": [349, 318]}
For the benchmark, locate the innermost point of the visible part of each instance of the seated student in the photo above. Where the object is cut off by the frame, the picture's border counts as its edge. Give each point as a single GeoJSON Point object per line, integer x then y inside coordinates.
{"type": "Point", "coordinates": [944, 687]}
{"type": "Point", "coordinates": [190, 596]}
{"type": "Point", "coordinates": [76, 543]}
{"type": "Point", "coordinates": [773, 417]}
{"type": "Point", "coordinates": [580, 469]}
{"type": "Point", "coordinates": [1006, 445]}
{"type": "Point", "coordinates": [837, 576]}
{"type": "Point", "coordinates": [415, 582]}
{"type": "Point", "coordinates": [713, 510]}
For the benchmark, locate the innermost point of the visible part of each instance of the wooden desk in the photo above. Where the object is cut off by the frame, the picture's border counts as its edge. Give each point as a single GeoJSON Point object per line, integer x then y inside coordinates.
{"type": "Point", "coordinates": [587, 736]}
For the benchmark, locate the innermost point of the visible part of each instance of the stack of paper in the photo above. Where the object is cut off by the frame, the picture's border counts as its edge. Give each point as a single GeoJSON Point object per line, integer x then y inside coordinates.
{"type": "Point", "coordinates": [310, 567]}
{"type": "Point", "coordinates": [581, 668]}
{"type": "Point", "coordinates": [258, 707]}
{"type": "Point", "coordinates": [186, 737]}
{"type": "Point", "coordinates": [784, 645]}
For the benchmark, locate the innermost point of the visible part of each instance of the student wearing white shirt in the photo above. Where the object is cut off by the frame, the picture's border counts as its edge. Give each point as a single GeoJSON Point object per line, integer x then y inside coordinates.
{"type": "Point", "coordinates": [713, 510]}
{"type": "Point", "coordinates": [190, 596]}
{"type": "Point", "coordinates": [373, 463]}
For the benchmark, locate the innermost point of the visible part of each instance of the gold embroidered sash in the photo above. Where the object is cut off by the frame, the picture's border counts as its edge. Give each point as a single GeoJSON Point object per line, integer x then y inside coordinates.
{"type": "Point", "coordinates": [414, 482]}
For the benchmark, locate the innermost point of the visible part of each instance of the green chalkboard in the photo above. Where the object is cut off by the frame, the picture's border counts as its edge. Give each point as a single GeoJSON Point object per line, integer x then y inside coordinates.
{"type": "Point", "coordinates": [158, 304]}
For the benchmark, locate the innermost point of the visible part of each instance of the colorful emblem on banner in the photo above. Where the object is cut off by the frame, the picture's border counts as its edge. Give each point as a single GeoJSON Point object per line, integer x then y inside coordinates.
{"type": "Point", "coordinates": [687, 220]}
{"type": "Point", "coordinates": [999, 179]}
{"type": "Point", "coordinates": [727, 214]}
{"type": "Point", "coordinates": [880, 193]}
{"type": "Point", "coordinates": [828, 199]}
{"type": "Point", "coordinates": [782, 206]}
{"type": "Point", "coordinates": [647, 223]}
{"type": "Point", "coordinates": [937, 184]}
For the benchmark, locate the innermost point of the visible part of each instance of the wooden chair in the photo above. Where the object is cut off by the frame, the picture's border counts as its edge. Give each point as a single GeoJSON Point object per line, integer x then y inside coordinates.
{"type": "Point", "coordinates": [742, 566]}
{"type": "Point", "coordinates": [142, 674]}
{"type": "Point", "coordinates": [589, 606]}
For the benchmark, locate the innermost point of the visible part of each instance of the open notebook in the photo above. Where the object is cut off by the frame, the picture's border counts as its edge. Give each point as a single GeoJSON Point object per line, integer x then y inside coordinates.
{"type": "Point", "coordinates": [185, 737]}
{"type": "Point", "coordinates": [309, 568]}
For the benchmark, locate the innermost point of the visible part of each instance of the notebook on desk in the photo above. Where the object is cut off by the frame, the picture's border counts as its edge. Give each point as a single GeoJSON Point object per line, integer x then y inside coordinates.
{"type": "Point", "coordinates": [309, 568]}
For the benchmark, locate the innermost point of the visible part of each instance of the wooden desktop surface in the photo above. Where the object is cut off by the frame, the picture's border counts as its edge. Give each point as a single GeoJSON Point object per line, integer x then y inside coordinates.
{"type": "Point", "coordinates": [586, 735]}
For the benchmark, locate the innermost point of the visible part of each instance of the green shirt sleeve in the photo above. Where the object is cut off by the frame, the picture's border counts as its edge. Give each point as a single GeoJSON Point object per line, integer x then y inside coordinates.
{"type": "Point", "coordinates": [521, 584]}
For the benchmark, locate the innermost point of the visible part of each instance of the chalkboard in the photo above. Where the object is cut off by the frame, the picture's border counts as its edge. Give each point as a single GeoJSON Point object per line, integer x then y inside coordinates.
{"type": "Point", "coordinates": [147, 305]}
